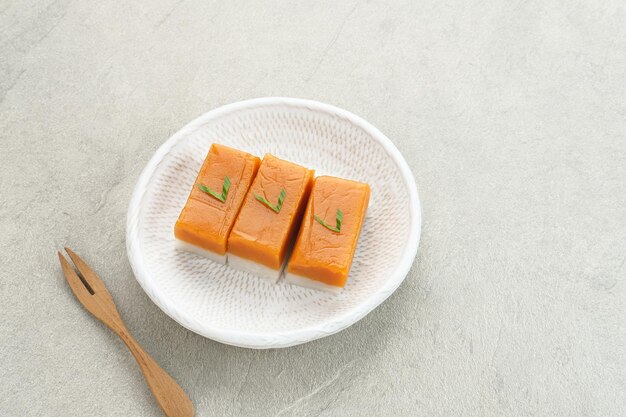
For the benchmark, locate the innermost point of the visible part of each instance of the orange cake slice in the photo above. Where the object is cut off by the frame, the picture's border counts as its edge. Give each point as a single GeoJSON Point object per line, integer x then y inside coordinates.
{"type": "Point", "coordinates": [269, 218]}
{"type": "Point", "coordinates": [327, 240]}
{"type": "Point", "coordinates": [214, 202]}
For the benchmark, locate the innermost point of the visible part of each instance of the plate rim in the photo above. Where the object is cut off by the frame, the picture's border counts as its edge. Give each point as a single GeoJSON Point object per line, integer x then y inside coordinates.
{"type": "Point", "coordinates": [265, 340]}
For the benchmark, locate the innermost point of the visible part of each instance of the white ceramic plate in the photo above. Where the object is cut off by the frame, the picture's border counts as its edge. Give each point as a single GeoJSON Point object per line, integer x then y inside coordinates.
{"type": "Point", "coordinates": [234, 307]}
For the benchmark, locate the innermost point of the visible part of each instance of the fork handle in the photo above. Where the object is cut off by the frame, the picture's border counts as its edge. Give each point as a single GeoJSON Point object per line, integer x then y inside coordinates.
{"type": "Point", "coordinates": [168, 394]}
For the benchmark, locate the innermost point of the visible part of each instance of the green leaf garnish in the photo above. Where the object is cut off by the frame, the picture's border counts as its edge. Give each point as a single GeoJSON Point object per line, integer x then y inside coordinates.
{"type": "Point", "coordinates": [221, 197]}
{"type": "Point", "coordinates": [338, 220]}
{"type": "Point", "coordinates": [279, 203]}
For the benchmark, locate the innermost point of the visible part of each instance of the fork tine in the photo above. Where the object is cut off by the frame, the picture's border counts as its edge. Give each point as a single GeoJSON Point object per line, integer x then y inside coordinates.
{"type": "Point", "coordinates": [90, 277]}
{"type": "Point", "coordinates": [77, 286]}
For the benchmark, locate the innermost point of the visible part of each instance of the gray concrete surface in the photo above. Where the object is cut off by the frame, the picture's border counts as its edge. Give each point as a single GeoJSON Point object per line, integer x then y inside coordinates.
{"type": "Point", "coordinates": [510, 114]}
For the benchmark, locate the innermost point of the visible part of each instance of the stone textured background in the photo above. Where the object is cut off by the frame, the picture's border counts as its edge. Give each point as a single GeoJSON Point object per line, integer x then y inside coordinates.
{"type": "Point", "coordinates": [512, 116]}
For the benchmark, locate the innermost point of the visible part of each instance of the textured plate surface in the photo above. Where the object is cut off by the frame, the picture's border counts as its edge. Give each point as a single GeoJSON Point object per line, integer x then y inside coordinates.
{"type": "Point", "coordinates": [233, 307]}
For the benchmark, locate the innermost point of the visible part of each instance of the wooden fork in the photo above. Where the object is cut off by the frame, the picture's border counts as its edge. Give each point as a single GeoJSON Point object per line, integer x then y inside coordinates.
{"type": "Point", "coordinates": [92, 293]}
